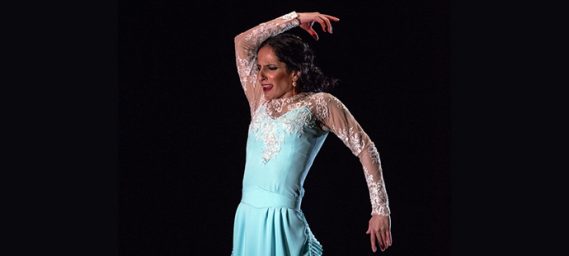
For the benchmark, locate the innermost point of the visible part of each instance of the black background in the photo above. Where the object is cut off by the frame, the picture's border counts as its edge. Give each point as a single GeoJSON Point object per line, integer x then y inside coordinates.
{"type": "Point", "coordinates": [60, 118]}
{"type": "Point", "coordinates": [183, 122]}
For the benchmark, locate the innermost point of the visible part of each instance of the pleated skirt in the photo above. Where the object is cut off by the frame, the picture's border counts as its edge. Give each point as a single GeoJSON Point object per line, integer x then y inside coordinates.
{"type": "Point", "coordinates": [272, 231]}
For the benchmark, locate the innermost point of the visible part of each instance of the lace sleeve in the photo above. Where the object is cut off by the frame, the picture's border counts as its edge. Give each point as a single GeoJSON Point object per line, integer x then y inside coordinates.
{"type": "Point", "coordinates": [335, 117]}
{"type": "Point", "coordinates": [246, 45]}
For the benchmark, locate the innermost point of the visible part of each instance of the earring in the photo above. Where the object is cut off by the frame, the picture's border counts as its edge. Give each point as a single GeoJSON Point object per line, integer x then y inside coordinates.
{"type": "Point", "coordinates": [293, 83]}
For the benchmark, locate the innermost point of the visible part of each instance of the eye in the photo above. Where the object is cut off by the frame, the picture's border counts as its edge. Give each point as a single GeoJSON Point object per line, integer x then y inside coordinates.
{"type": "Point", "coordinates": [273, 67]}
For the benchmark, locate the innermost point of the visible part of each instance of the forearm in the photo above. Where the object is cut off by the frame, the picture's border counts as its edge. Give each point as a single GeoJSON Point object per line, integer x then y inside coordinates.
{"type": "Point", "coordinates": [251, 39]}
{"type": "Point", "coordinates": [369, 158]}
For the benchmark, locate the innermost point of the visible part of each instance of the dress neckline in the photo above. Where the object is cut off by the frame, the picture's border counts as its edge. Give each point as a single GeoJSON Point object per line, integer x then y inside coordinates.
{"type": "Point", "coordinates": [285, 100]}
{"type": "Point", "coordinates": [275, 106]}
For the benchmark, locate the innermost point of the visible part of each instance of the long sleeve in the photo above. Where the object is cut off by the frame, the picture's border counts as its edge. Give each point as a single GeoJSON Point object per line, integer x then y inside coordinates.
{"type": "Point", "coordinates": [337, 118]}
{"type": "Point", "coordinates": [246, 45]}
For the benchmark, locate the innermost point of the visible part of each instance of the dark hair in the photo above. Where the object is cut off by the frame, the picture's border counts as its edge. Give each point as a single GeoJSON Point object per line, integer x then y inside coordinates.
{"type": "Point", "coordinates": [298, 56]}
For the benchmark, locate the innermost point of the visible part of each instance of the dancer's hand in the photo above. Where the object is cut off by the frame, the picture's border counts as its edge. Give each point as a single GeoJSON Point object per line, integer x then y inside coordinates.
{"type": "Point", "coordinates": [307, 19]}
{"type": "Point", "coordinates": [379, 229]}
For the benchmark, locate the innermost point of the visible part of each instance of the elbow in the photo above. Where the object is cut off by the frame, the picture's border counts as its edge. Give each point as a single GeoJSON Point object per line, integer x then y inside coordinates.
{"type": "Point", "coordinates": [238, 39]}
{"type": "Point", "coordinates": [241, 44]}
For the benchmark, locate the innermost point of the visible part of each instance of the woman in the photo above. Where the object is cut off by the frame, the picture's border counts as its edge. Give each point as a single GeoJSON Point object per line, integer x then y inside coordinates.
{"type": "Point", "coordinates": [291, 116]}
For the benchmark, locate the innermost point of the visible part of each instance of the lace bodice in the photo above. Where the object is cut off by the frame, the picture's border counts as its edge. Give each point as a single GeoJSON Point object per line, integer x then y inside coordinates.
{"type": "Point", "coordinates": [317, 110]}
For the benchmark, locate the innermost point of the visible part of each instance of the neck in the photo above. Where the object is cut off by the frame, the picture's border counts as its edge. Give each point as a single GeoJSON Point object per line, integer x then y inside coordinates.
{"type": "Point", "coordinates": [289, 94]}
{"type": "Point", "coordinates": [286, 98]}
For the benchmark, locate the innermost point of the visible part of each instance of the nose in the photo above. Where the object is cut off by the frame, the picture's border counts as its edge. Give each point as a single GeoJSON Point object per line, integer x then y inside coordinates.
{"type": "Point", "coordinates": [261, 76]}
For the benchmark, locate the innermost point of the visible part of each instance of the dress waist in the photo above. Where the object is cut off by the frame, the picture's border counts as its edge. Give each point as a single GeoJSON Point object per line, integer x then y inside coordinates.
{"type": "Point", "coordinates": [261, 198]}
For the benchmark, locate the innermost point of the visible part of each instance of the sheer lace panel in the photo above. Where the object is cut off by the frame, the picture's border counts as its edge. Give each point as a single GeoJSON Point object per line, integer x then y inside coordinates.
{"type": "Point", "coordinates": [337, 118]}
{"type": "Point", "coordinates": [278, 107]}
{"type": "Point", "coordinates": [246, 46]}
{"type": "Point", "coordinates": [273, 114]}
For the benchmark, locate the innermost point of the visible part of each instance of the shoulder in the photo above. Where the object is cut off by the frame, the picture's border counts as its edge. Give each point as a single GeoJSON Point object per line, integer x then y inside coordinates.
{"type": "Point", "coordinates": [323, 104]}
{"type": "Point", "coordinates": [323, 97]}
{"type": "Point", "coordinates": [327, 100]}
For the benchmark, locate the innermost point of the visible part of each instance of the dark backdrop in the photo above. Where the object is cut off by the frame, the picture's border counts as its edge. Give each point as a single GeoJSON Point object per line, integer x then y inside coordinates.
{"type": "Point", "coordinates": [184, 119]}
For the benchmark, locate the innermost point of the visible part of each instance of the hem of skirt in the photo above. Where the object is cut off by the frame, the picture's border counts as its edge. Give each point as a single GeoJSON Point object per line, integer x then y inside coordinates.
{"type": "Point", "coordinates": [314, 247]}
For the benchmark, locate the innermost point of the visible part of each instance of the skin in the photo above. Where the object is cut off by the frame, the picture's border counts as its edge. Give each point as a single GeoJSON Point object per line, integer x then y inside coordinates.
{"type": "Point", "coordinates": [274, 76]}
{"type": "Point", "coordinates": [379, 227]}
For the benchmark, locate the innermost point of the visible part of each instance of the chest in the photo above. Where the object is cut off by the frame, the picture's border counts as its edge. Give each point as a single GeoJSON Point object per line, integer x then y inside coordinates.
{"type": "Point", "coordinates": [293, 122]}
{"type": "Point", "coordinates": [296, 126]}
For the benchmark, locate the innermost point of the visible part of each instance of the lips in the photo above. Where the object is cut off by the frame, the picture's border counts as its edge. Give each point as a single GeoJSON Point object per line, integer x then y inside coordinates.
{"type": "Point", "coordinates": [267, 87]}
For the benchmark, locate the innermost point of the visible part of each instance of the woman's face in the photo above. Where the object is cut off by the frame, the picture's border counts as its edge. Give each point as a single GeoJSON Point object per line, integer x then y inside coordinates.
{"type": "Point", "coordinates": [274, 76]}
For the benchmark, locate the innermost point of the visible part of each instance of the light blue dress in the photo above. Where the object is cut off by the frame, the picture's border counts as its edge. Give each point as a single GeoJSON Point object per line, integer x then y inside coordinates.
{"type": "Point", "coordinates": [284, 137]}
{"type": "Point", "coordinates": [269, 220]}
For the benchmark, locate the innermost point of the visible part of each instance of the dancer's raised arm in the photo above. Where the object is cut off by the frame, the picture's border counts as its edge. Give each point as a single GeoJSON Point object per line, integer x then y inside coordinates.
{"type": "Point", "coordinates": [246, 47]}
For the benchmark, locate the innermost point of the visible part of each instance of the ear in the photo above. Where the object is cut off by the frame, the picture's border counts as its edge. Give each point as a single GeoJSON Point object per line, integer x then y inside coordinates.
{"type": "Point", "coordinates": [295, 75]}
